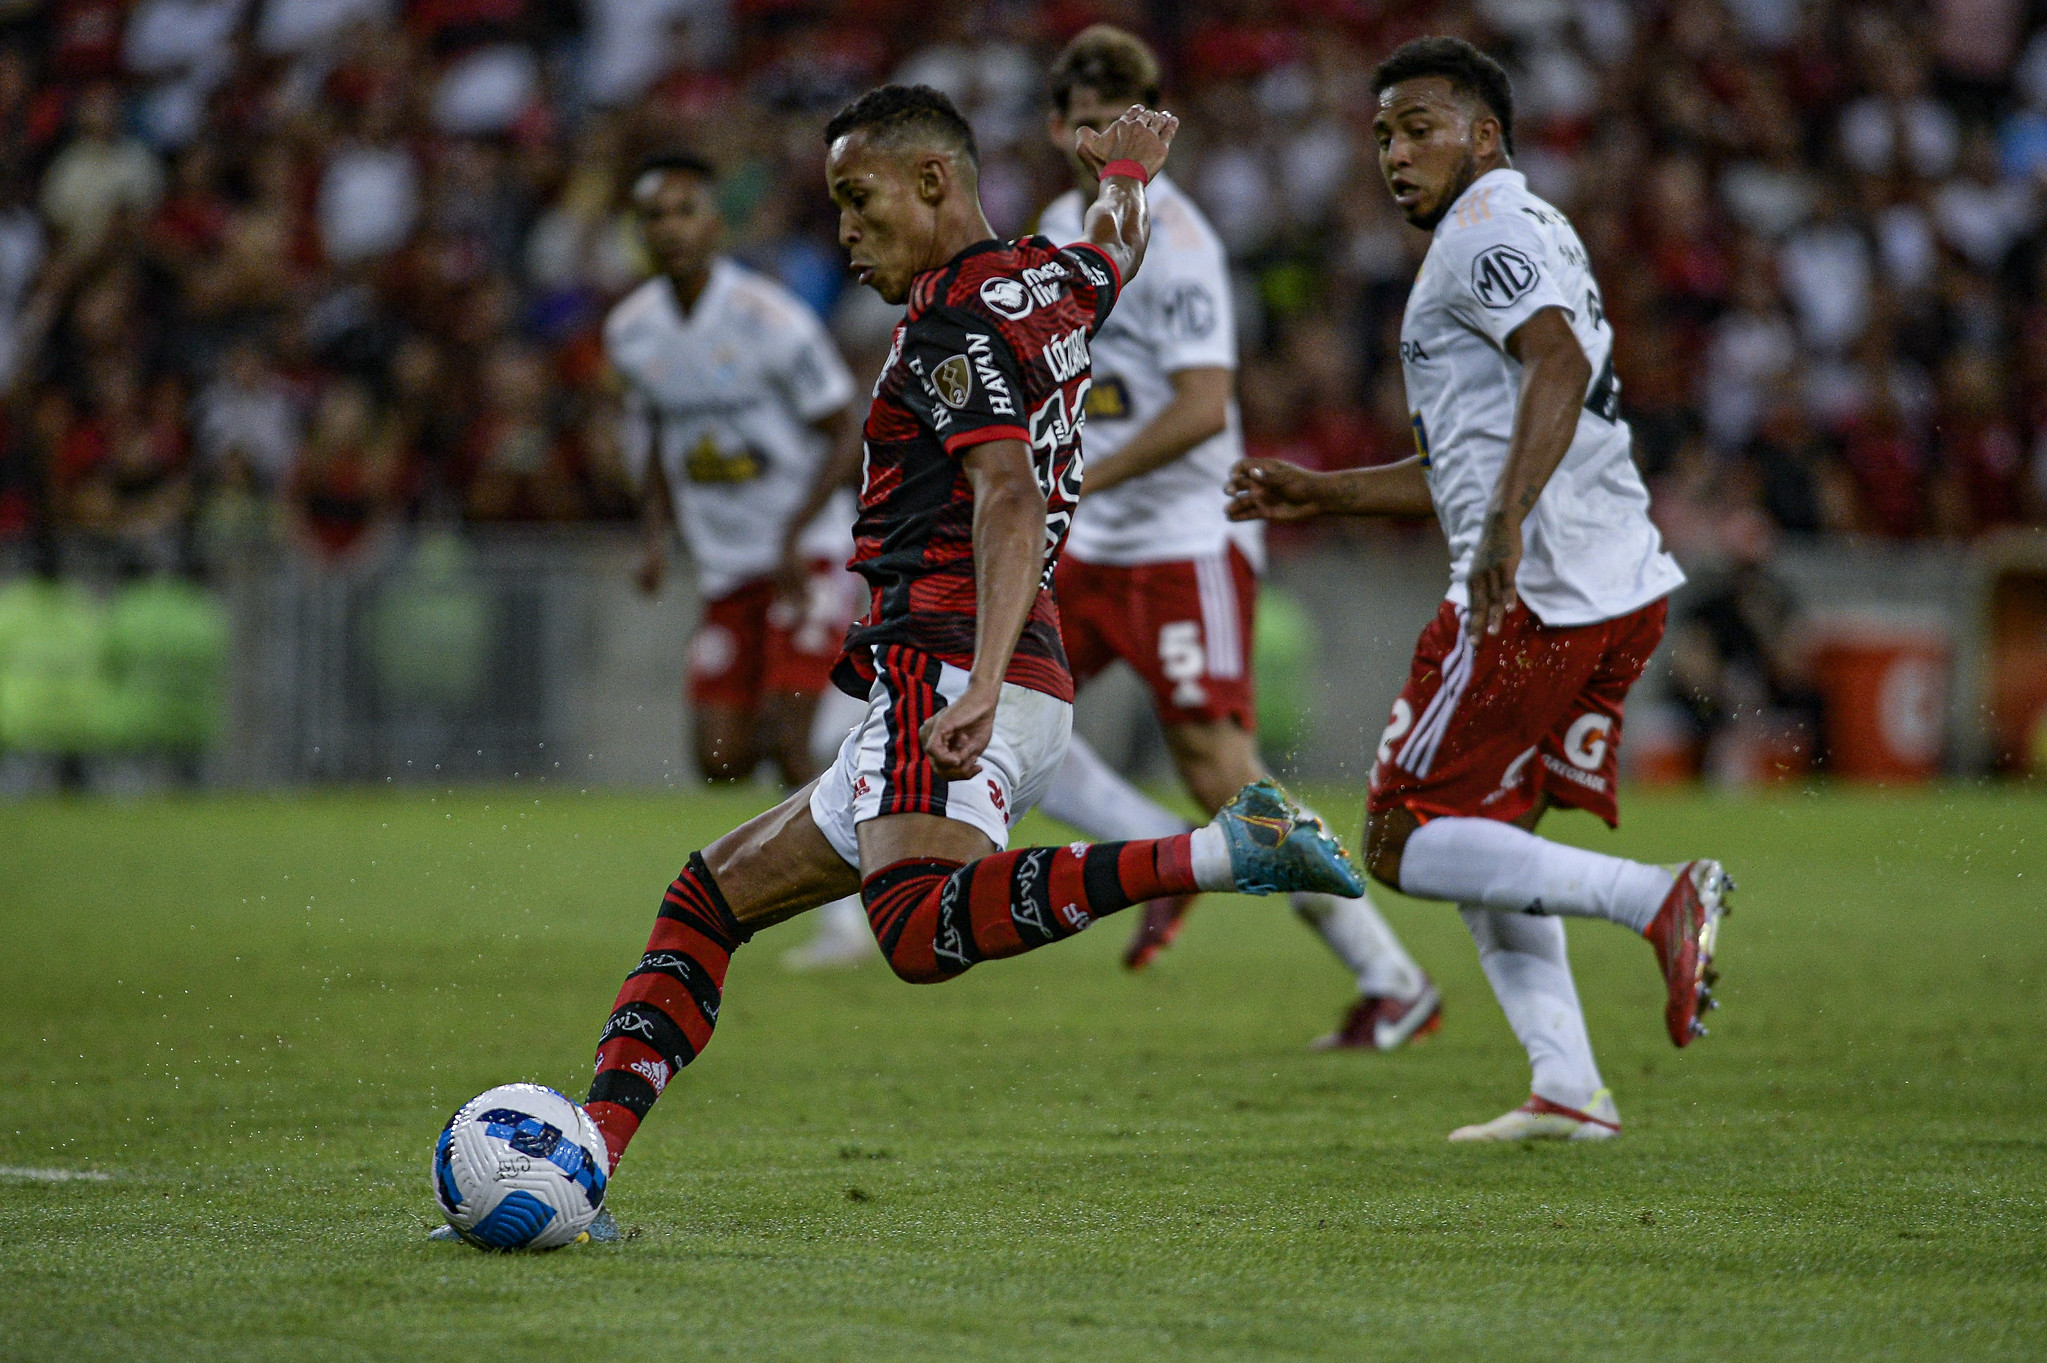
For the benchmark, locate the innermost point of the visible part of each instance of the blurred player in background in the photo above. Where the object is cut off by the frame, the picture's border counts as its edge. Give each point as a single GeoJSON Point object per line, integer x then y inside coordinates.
{"type": "Point", "coordinates": [1154, 571]}
{"type": "Point", "coordinates": [971, 474]}
{"type": "Point", "coordinates": [739, 432]}
{"type": "Point", "coordinates": [1558, 579]}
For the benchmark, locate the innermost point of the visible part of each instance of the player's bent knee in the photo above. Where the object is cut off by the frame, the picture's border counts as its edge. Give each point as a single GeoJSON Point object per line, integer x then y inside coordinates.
{"type": "Point", "coordinates": [904, 903]}
{"type": "Point", "coordinates": [1386, 837]}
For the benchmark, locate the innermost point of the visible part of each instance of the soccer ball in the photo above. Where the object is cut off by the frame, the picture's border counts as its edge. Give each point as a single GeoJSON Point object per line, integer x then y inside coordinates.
{"type": "Point", "coordinates": [519, 1167]}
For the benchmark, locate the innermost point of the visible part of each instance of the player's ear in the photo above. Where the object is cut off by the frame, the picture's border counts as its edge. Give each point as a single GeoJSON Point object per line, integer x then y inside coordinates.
{"type": "Point", "coordinates": [1485, 135]}
{"type": "Point", "coordinates": [934, 178]}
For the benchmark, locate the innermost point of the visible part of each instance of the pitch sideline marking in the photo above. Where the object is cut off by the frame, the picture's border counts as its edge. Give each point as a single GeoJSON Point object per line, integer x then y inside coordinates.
{"type": "Point", "coordinates": [54, 1175]}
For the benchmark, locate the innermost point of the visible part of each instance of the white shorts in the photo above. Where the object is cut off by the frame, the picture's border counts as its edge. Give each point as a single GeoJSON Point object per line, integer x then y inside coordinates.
{"type": "Point", "coordinates": [881, 768]}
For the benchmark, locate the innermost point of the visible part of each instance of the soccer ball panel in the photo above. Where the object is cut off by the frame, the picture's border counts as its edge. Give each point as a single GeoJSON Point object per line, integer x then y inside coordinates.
{"type": "Point", "coordinates": [519, 1167]}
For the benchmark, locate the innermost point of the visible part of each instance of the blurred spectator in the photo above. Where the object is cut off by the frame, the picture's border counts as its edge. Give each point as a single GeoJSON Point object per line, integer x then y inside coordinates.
{"type": "Point", "coordinates": [1738, 666]}
{"type": "Point", "coordinates": [102, 171]}
{"type": "Point", "coordinates": [376, 239]}
{"type": "Point", "coordinates": [187, 48]}
{"type": "Point", "coordinates": [518, 468]}
{"type": "Point", "coordinates": [369, 193]}
{"type": "Point", "coordinates": [347, 482]}
{"type": "Point", "coordinates": [1980, 213]}
{"type": "Point", "coordinates": [248, 414]}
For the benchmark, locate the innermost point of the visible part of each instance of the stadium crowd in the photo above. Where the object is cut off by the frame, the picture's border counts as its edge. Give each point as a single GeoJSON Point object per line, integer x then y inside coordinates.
{"type": "Point", "coordinates": [304, 268]}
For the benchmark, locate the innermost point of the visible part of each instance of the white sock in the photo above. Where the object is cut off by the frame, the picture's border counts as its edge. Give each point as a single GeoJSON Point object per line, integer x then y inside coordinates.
{"type": "Point", "coordinates": [845, 918]}
{"type": "Point", "coordinates": [1499, 866]}
{"type": "Point", "coordinates": [1210, 852]}
{"type": "Point", "coordinates": [1525, 961]}
{"type": "Point", "coordinates": [1364, 942]}
{"type": "Point", "coordinates": [1087, 793]}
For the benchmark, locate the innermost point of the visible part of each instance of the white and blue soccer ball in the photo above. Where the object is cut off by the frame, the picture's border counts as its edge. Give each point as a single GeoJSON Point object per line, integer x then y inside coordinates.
{"type": "Point", "coordinates": [520, 1167]}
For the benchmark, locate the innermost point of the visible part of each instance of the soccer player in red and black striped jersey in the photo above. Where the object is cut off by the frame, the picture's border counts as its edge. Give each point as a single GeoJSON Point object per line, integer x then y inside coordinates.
{"type": "Point", "coordinates": [972, 472]}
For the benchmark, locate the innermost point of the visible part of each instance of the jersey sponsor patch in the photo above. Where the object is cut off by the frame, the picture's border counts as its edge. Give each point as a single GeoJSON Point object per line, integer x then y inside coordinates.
{"type": "Point", "coordinates": [707, 463]}
{"type": "Point", "coordinates": [953, 381]}
{"type": "Point", "coordinates": [1502, 275]}
{"type": "Point", "coordinates": [1190, 311]}
{"type": "Point", "coordinates": [1007, 297]}
{"type": "Point", "coordinates": [1109, 399]}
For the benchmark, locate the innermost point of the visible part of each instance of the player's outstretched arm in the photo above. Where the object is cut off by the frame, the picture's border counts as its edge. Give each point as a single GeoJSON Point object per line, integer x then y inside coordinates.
{"type": "Point", "coordinates": [1274, 490]}
{"type": "Point", "coordinates": [1554, 377]}
{"type": "Point", "coordinates": [1009, 560]}
{"type": "Point", "coordinates": [1118, 224]}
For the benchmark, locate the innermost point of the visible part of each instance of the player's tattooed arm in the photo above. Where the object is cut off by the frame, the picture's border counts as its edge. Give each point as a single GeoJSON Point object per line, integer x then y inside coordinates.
{"type": "Point", "coordinates": [1554, 377]}
{"type": "Point", "coordinates": [1274, 490]}
{"type": "Point", "coordinates": [1118, 224]}
{"type": "Point", "coordinates": [1009, 559]}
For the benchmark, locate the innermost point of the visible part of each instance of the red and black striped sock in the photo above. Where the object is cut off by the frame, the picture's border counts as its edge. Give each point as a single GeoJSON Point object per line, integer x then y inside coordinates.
{"type": "Point", "coordinates": [935, 918]}
{"type": "Point", "coordinates": [667, 1006]}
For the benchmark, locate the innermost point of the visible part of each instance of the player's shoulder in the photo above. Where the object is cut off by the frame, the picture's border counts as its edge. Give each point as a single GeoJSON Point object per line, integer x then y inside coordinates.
{"type": "Point", "coordinates": [1178, 226]}
{"type": "Point", "coordinates": [1498, 208]}
{"type": "Point", "coordinates": [1498, 240]}
{"type": "Point", "coordinates": [1005, 284]}
{"type": "Point", "coordinates": [648, 306]}
{"type": "Point", "coordinates": [762, 300]}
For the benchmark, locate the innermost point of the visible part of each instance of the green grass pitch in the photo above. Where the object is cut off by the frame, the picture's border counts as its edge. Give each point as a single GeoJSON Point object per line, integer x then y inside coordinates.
{"type": "Point", "coordinates": [255, 1014]}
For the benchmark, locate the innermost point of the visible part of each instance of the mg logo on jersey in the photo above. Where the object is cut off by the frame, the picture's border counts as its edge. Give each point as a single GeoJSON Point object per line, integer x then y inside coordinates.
{"type": "Point", "coordinates": [1585, 741]}
{"type": "Point", "coordinates": [953, 381]}
{"type": "Point", "coordinates": [1007, 297]}
{"type": "Point", "coordinates": [1501, 275]}
{"type": "Point", "coordinates": [1190, 311]}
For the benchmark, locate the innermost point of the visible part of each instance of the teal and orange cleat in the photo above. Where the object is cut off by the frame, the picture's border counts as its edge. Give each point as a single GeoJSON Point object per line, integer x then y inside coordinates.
{"type": "Point", "coordinates": [1275, 848]}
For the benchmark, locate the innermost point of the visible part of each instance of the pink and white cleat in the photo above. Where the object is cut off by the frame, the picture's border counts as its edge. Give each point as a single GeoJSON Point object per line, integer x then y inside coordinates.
{"type": "Point", "coordinates": [1378, 1023]}
{"type": "Point", "coordinates": [1159, 922]}
{"type": "Point", "coordinates": [1539, 1119]}
{"type": "Point", "coordinates": [1684, 933]}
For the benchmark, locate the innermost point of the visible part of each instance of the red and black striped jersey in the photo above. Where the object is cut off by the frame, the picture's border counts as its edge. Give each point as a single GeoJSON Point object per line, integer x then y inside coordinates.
{"type": "Point", "coordinates": [993, 346]}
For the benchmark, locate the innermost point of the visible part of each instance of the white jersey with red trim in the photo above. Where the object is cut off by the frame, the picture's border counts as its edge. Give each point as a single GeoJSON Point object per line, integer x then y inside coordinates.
{"type": "Point", "coordinates": [1501, 255]}
{"type": "Point", "coordinates": [727, 394]}
{"type": "Point", "coordinates": [1174, 314]}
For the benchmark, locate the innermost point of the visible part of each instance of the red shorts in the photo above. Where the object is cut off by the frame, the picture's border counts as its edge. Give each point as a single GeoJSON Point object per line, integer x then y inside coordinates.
{"type": "Point", "coordinates": [750, 644]}
{"type": "Point", "coordinates": [1534, 711]}
{"type": "Point", "coordinates": [1185, 626]}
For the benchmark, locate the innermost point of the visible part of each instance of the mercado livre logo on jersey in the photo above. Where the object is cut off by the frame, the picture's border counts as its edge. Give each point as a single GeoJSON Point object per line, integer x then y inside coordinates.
{"type": "Point", "coordinates": [953, 381]}
{"type": "Point", "coordinates": [1501, 275]}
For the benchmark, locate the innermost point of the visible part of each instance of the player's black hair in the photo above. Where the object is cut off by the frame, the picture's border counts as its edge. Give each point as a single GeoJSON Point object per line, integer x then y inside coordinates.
{"type": "Point", "coordinates": [1464, 66]}
{"type": "Point", "coordinates": [1113, 63]}
{"type": "Point", "coordinates": [678, 161]}
{"type": "Point", "coordinates": [912, 110]}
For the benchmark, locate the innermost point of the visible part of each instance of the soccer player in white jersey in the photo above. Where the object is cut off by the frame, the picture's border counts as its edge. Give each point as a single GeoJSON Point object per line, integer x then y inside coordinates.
{"type": "Point", "coordinates": [1558, 579]}
{"type": "Point", "coordinates": [1155, 573]}
{"type": "Point", "coordinates": [739, 430]}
